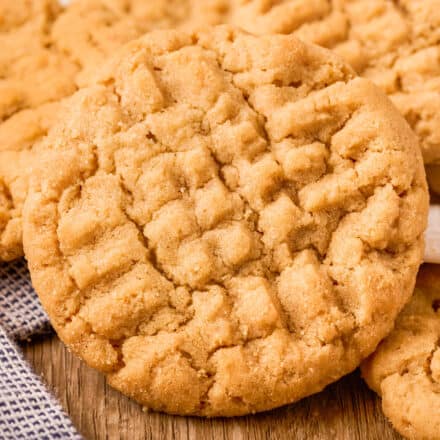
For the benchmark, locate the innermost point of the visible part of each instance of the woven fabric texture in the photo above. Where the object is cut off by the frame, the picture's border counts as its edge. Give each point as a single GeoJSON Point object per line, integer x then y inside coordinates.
{"type": "Point", "coordinates": [27, 410]}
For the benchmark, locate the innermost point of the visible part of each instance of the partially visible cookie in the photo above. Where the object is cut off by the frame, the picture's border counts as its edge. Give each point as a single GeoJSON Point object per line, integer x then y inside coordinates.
{"type": "Point", "coordinates": [166, 14]}
{"type": "Point", "coordinates": [405, 369]}
{"type": "Point", "coordinates": [394, 43]}
{"type": "Point", "coordinates": [19, 139]}
{"type": "Point", "coordinates": [90, 30]}
{"type": "Point", "coordinates": [32, 76]}
{"type": "Point", "coordinates": [31, 73]}
{"type": "Point", "coordinates": [17, 13]}
{"type": "Point", "coordinates": [234, 221]}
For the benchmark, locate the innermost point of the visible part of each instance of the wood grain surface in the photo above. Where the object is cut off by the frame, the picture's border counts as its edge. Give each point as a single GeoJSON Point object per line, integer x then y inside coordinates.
{"type": "Point", "coordinates": [344, 411]}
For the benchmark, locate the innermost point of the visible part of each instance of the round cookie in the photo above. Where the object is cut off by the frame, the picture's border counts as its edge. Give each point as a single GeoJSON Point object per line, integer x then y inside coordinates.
{"type": "Point", "coordinates": [234, 221]}
{"type": "Point", "coordinates": [405, 369]}
{"type": "Point", "coordinates": [394, 43]}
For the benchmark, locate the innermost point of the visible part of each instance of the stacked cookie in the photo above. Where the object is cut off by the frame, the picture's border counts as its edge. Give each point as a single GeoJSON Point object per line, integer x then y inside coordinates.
{"type": "Point", "coordinates": [222, 221]}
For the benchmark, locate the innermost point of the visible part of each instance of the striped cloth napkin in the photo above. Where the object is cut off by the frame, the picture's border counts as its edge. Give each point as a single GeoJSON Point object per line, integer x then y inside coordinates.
{"type": "Point", "coordinates": [27, 409]}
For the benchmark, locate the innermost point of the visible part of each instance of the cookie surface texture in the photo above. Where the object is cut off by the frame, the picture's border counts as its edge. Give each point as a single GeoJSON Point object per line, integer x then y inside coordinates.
{"type": "Point", "coordinates": [394, 43]}
{"type": "Point", "coordinates": [234, 223]}
{"type": "Point", "coordinates": [90, 30]}
{"type": "Point", "coordinates": [46, 54]}
{"type": "Point", "coordinates": [405, 370]}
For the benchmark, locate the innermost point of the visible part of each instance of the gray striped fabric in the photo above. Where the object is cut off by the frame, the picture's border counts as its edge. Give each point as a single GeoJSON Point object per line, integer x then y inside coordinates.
{"type": "Point", "coordinates": [27, 410]}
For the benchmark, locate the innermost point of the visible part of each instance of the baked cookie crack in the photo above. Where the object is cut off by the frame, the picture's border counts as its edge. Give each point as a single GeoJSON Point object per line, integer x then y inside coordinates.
{"type": "Point", "coordinates": [260, 208]}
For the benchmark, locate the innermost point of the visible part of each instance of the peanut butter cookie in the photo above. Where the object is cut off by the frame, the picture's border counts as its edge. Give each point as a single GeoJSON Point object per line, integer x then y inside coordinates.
{"type": "Point", "coordinates": [234, 221]}
{"type": "Point", "coordinates": [32, 75]}
{"type": "Point", "coordinates": [405, 369]}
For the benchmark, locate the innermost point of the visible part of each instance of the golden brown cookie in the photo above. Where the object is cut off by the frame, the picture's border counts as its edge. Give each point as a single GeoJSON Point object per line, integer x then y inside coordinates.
{"type": "Point", "coordinates": [17, 13]}
{"type": "Point", "coordinates": [405, 369]}
{"type": "Point", "coordinates": [32, 75]}
{"type": "Point", "coordinates": [396, 43]}
{"type": "Point", "coordinates": [234, 221]}
{"type": "Point", "coordinates": [19, 137]}
{"type": "Point", "coordinates": [90, 30]}
{"type": "Point", "coordinates": [166, 14]}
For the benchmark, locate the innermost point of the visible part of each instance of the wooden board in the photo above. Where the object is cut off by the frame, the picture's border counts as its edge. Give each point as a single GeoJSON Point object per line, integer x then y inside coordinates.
{"type": "Point", "coordinates": [344, 411]}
